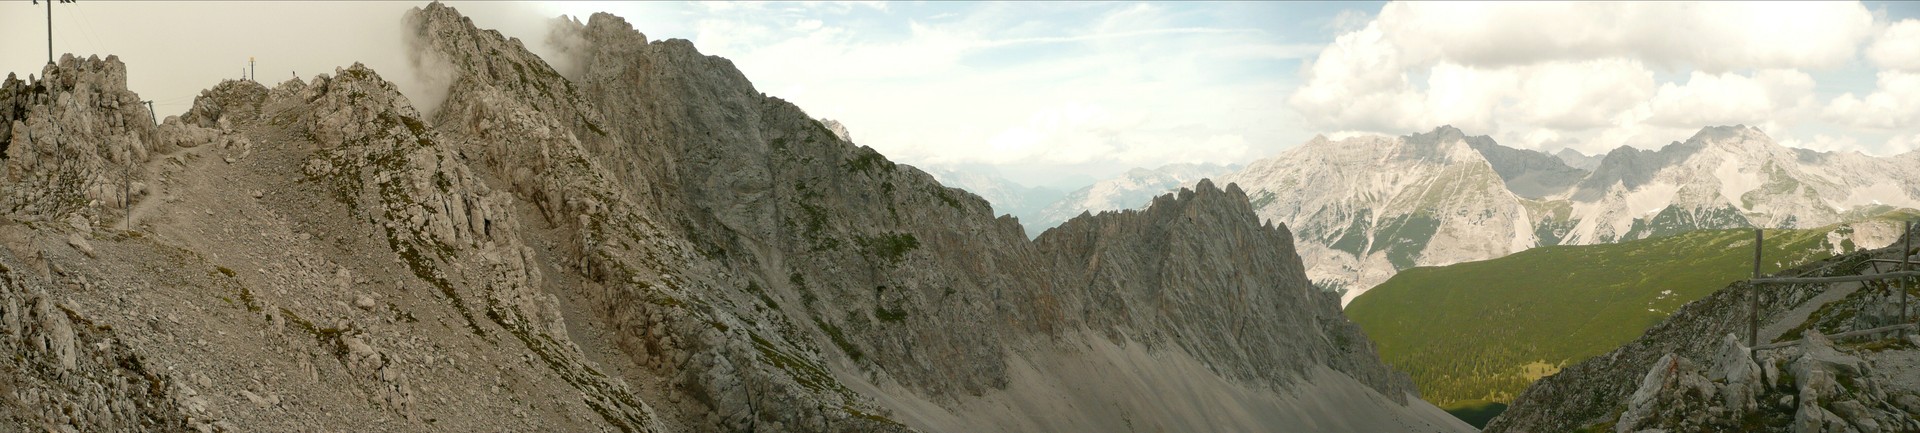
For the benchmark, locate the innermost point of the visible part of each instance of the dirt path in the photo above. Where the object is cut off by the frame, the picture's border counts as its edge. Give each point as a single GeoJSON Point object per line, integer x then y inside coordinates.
{"type": "Point", "coordinates": [1800, 314]}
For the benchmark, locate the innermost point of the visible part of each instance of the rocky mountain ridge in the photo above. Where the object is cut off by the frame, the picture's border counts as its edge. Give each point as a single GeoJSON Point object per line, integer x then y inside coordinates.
{"type": "Point", "coordinates": [1040, 208]}
{"type": "Point", "coordinates": [1131, 190]}
{"type": "Point", "coordinates": [1006, 196]}
{"type": "Point", "coordinates": [321, 255]}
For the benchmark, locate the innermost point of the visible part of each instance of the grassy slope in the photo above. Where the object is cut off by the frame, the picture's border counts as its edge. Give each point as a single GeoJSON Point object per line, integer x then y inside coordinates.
{"type": "Point", "coordinates": [1468, 332]}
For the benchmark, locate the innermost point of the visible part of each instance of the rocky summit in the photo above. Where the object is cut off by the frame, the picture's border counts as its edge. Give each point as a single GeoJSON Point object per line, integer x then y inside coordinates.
{"type": "Point", "coordinates": [644, 244]}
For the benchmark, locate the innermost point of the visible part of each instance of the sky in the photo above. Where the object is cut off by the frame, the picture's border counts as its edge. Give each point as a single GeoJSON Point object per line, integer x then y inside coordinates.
{"type": "Point", "coordinates": [1061, 94]}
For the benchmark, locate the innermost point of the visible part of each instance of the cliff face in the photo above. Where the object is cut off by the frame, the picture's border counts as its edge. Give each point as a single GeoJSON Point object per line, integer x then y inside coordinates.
{"type": "Point", "coordinates": [647, 245]}
{"type": "Point", "coordinates": [1139, 275]}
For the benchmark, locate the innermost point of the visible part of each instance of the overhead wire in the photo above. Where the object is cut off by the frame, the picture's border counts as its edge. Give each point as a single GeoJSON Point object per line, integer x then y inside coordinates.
{"type": "Point", "coordinates": [74, 19]}
{"type": "Point", "coordinates": [86, 23]}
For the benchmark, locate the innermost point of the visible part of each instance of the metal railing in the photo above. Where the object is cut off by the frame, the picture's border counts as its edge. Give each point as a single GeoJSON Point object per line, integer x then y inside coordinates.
{"type": "Point", "coordinates": [1904, 272]}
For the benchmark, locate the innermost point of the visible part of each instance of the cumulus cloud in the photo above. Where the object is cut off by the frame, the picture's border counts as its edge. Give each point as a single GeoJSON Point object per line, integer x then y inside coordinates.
{"type": "Point", "coordinates": [1894, 103]}
{"type": "Point", "coordinates": [1110, 86]}
{"type": "Point", "coordinates": [1591, 75]}
{"type": "Point", "coordinates": [1898, 48]}
{"type": "Point", "coordinates": [1728, 99]}
{"type": "Point", "coordinates": [1715, 37]}
{"type": "Point", "coordinates": [1348, 20]}
{"type": "Point", "coordinates": [1576, 96]}
{"type": "Point", "coordinates": [1901, 144]}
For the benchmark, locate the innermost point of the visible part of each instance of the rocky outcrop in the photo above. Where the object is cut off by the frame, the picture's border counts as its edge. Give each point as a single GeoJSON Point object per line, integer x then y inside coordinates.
{"type": "Point", "coordinates": [1678, 378]}
{"type": "Point", "coordinates": [451, 229]}
{"type": "Point", "coordinates": [69, 374]}
{"type": "Point", "coordinates": [1809, 387]}
{"type": "Point", "coordinates": [1127, 272]}
{"type": "Point", "coordinates": [839, 130]}
{"type": "Point", "coordinates": [71, 135]}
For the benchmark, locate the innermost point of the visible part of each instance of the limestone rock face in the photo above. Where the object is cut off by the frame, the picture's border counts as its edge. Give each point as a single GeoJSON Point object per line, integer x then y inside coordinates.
{"type": "Point", "coordinates": [839, 130]}
{"type": "Point", "coordinates": [450, 228]}
{"type": "Point", "coordinates": [69, 136]}
{"type": "Point", "coordinates": [1828, 391]}
{"type": "Point", "coordinates": [230, 102]}
{"type": "Point", "coordinates": [1123, 270]}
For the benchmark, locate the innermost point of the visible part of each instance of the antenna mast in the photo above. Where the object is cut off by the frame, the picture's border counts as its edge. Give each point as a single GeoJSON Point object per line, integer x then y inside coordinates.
{"type": "Point", "coordinates": [50, 26]}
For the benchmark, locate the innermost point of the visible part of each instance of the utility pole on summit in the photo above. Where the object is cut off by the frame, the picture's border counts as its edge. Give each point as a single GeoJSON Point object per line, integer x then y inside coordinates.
{"type": "Point", "coordinates": [50, 26]}
{"type": "Point", "coordinates": [126, 177]}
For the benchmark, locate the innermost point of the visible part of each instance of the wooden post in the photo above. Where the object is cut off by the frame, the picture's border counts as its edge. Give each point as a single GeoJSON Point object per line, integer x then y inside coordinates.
{"type": "Point", "coordinates": [1753, 305]}
{"type": "Point", "coordinates": [1906, 263]}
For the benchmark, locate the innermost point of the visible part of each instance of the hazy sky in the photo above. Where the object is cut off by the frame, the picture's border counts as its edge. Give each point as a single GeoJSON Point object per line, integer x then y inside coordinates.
{"type": "Point", "coordinates": [1061, 93]}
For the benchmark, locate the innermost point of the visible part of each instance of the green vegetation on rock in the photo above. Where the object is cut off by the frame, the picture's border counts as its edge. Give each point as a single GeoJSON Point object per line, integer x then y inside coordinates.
{"type": "Point", "coordinates": [1404, 237]}
{"type": "Point", "coordinates": [889, 246]}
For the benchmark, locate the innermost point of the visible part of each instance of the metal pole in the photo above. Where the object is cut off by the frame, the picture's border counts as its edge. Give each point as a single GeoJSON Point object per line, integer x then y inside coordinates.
{"type": "Point", "coordinates": [49, 31]}
{"type": "Point", "coordinates": [1753, 305]}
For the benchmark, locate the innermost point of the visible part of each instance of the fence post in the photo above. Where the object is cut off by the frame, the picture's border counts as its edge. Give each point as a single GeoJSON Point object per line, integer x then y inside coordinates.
{"type": "Point", "coordinates": [1753, 305]}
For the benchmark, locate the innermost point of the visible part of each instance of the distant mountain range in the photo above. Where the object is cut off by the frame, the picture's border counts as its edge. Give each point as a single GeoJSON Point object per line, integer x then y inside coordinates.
{"type": "Point", "coordinates": [1006, 196]}
{"type": "Point", "coordinates": [1364, 208]}
{"type": "Point", "coordinates": [1041, 208]}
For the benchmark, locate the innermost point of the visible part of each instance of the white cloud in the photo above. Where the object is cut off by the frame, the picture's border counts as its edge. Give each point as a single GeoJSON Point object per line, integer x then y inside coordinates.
{"type": "Point", "coordinates": [1576, 96]}
{"type": "Point", "coordinates": [1900, 144]}
{"type": "Point", "coordinates": [1899, 47]}
{"type": "Point", "coordinates": [1894, 104]}
{"type": "Point", "coordinates": [1712, 36]}
{"type": "Point", "coordinates": [1348, 20]}
{"type": "Point", "coordinates": [1727, 99]}
{"type": "Point", "coordinates": [1358, 82]}
{"type": "Point", "coordinates": [1587, 75]}
{"type": "Point", "coordinates": [1126, 87]}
